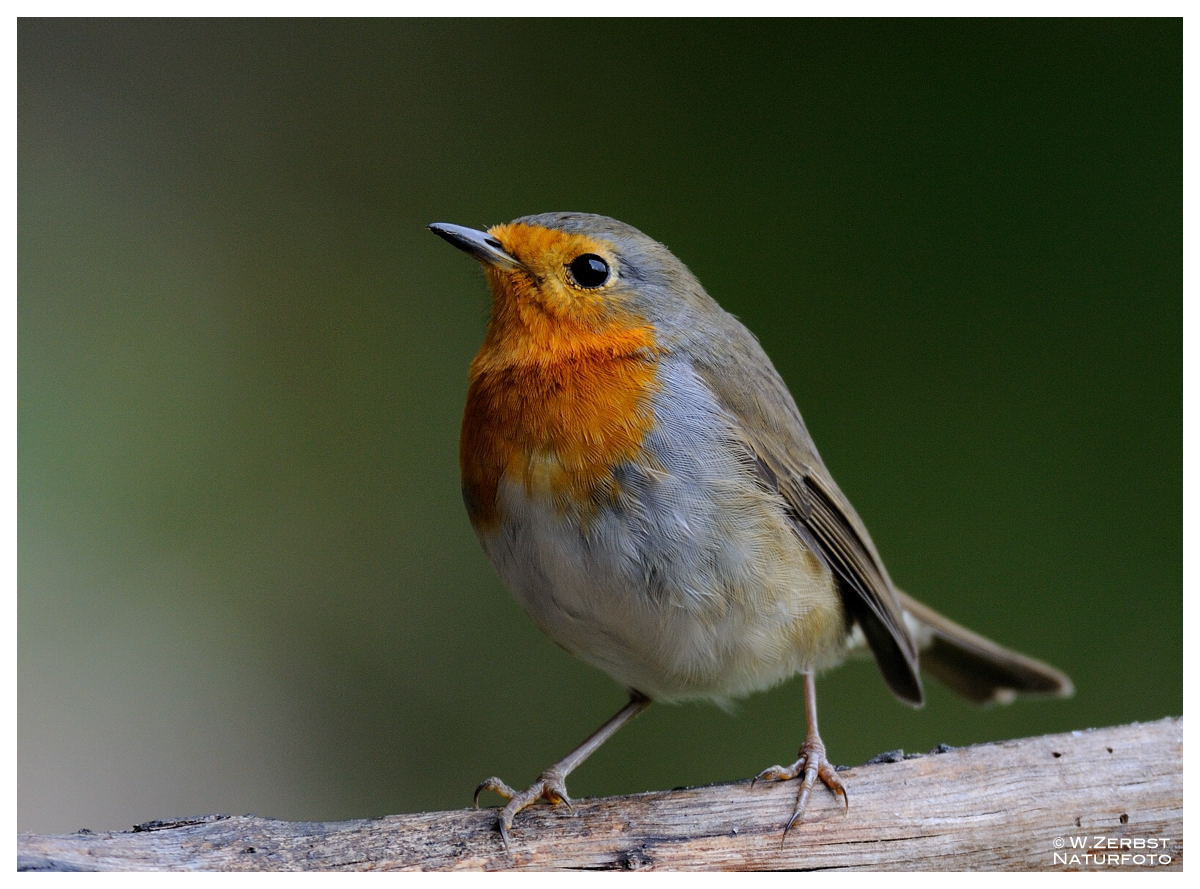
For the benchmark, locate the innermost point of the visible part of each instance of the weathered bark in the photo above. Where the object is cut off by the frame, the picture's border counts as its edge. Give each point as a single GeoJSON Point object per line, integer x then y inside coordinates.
{"type": "Point", "coordinates": [1013, 805]}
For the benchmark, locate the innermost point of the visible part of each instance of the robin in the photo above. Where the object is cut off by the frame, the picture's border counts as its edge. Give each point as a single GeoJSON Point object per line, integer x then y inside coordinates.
{"type": "Point", "coordinates": [642, 480]}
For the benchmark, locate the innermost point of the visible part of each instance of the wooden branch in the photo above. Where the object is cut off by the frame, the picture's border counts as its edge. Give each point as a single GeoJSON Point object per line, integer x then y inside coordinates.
{"type": "Point", "coordinates": [1013, 805]}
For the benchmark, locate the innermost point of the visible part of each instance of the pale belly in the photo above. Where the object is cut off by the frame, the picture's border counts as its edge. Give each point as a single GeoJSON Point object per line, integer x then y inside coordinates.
{"type": "Point", "coordinates": [691, 583]}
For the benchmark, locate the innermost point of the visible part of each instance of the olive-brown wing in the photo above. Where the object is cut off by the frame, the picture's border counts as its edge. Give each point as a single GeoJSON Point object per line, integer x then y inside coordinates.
{"type": "Point", "coordinates": [767, 424]}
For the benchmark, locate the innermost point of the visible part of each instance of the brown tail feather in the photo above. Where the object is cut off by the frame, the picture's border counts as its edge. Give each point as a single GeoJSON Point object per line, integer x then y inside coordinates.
{"type": "Point", "coordinates": [975, 667]}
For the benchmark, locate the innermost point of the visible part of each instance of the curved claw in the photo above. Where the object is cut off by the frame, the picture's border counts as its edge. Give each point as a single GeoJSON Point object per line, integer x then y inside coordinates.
{"type": "Point", "coordinates": [495, 785]}
{"type": "Point", "coordinates": [771, 773]}
{"type": "Point", "coordinates": [549, 786]}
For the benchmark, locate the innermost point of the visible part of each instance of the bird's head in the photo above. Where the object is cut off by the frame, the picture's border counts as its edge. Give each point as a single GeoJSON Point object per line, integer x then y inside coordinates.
{"type": "Point", "coordinates": [564, 272]}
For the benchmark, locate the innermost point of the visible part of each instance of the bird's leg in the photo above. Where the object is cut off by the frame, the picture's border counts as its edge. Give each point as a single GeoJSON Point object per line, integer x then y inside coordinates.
{"type": "Point", "coordinates": [551, 784]}
{"type": "Point", "coordinates": [812, 763]}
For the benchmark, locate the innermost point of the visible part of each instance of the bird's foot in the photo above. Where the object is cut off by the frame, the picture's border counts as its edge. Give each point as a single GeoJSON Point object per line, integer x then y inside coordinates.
{"type": "Point", "coordinates": [811, 765]}
{"type": "Point", "coordinates": [549, 786]}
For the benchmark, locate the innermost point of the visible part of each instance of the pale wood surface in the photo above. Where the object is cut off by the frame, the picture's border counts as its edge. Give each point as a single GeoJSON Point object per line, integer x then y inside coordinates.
{"type": "Point", "coordinates": [1001, 806]}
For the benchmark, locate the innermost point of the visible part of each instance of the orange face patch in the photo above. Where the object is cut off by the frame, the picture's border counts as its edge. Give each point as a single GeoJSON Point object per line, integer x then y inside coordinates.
{"type": "Point", "coordinates": [546, 287]}
{"type": "Point", "coordinates": [559, 393]}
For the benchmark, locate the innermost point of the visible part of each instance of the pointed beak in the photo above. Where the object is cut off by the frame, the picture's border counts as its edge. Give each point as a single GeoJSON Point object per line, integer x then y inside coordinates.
{"type": "Point", "coordinates": [479, 244]}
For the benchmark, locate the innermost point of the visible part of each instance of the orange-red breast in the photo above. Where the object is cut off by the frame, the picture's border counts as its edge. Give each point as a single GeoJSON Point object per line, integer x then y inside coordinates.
{"type": "Point", "coordinates": [642, 480]}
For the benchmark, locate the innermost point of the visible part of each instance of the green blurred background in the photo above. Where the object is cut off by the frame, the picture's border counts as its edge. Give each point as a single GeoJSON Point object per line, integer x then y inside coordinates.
{"type": "Point", "coordinates": [247, 583]}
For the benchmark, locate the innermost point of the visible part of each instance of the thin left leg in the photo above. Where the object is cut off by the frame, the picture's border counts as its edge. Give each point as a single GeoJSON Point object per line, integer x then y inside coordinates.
{"type": "Point", "coordinates": [551, 784]}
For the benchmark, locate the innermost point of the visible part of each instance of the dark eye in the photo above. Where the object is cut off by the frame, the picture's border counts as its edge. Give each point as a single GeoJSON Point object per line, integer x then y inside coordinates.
{"type": "Point", "coordinates": [589, 270]}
